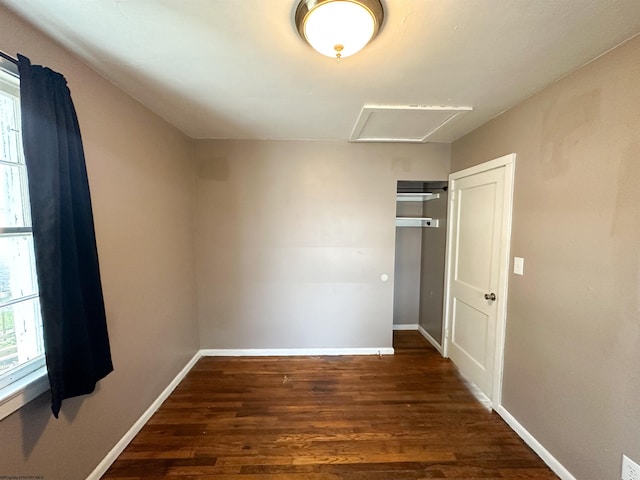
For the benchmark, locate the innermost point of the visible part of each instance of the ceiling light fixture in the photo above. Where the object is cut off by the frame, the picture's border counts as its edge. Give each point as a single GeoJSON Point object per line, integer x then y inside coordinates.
{"type": "Point", "coordinates": [339, 28]}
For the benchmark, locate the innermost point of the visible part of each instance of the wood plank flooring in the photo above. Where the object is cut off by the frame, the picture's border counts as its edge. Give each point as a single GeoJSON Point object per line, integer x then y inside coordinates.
{"type": "Point", "coordinates": [407, 416]}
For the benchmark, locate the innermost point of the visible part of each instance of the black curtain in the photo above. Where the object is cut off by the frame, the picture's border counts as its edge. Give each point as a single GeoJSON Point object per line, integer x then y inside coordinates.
{"type": "Point", "coordinates": [73, 316]}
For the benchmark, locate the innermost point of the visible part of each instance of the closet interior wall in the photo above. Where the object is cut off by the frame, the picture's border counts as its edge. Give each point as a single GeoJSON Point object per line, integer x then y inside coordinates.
{"type": "Point", "coordinates": [420, 261]}
{"type": "Point", "coordinates": [406, 290]}
{"type": "Point", "coordinates": [432, 264]}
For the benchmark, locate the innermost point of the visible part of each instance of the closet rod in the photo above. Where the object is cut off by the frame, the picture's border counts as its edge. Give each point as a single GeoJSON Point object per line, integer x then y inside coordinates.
{"type": "Point", "coordinates": [8, 57]}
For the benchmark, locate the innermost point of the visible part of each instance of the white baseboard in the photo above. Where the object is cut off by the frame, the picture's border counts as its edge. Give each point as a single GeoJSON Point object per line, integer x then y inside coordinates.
{"type": "Point", "coordinates": [536, 446]}
{"type": "Point", "coordinates": [111, 457]}
{"type": "Point", "coordinates": [405, 326]}
{"type": "Point", "coordinates": [430, 339]}
{"type": "Point", "coordinates": [289, 352]}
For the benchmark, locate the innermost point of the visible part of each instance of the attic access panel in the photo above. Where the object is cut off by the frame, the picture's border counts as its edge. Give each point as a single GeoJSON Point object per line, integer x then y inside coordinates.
{"type": "Point", "coordinates": [402, 123]}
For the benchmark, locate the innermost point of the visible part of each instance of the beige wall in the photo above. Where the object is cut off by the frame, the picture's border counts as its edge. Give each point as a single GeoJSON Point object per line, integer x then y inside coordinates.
{"type": "Point", "coordinates": [141, 181]}
{"type": "Point", "coordinates": [572, 360]}
{"type": "Point", "coordinates": [432, 262]}
{"type": "Point", "coordinates": [292, 238]}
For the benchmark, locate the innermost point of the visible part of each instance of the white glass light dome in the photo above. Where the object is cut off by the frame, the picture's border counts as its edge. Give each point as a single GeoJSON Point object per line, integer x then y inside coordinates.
{"type": "Point", "coordinates": [338, 28]}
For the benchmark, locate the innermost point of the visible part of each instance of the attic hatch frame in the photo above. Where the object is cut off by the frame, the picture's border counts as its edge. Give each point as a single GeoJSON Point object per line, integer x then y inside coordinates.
{"type": "Point", "coordinates": [368, 112]}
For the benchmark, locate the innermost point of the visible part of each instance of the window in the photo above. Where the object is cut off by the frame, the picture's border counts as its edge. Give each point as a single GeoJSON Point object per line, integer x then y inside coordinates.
{"type": "Point", "coordinates": [21, 344]}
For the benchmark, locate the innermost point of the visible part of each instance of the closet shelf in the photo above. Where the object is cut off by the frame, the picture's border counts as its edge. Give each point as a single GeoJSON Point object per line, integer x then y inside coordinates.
{"type": "Point", "coordinates": [417, 222]}
{"type": "Point", "coordinates": [416, 197]}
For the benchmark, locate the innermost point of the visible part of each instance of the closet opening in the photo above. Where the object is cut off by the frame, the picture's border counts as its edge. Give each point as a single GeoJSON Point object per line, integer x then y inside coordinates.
{"type": "Point", "coordinates": [421, 231]}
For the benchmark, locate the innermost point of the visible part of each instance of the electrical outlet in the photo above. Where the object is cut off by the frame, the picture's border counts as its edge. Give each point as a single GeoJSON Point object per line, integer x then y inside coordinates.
{"type": "Point", "coordinates": [630, 469]}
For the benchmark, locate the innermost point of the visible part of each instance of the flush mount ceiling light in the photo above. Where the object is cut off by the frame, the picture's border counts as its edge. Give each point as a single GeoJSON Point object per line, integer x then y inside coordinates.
{"type": "Point", "coordinates": [339, 28]}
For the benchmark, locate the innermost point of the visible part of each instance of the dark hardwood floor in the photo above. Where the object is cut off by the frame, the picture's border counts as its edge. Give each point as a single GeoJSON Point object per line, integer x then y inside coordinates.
{"type": "Point", "coordinates": [407, 416]}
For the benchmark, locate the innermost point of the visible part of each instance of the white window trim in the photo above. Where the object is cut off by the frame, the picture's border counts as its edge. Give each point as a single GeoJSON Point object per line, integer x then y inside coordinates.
{"type": "Point", "coordinates": [19, 393]}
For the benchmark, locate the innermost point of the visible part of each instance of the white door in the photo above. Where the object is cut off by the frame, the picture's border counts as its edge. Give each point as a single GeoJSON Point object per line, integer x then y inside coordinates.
{"type": "Point", "coordinates": [477, 270]}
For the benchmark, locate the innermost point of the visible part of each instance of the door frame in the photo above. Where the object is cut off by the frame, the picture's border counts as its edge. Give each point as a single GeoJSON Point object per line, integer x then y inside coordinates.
{"type": "Point", "coordinates": [508, 163]}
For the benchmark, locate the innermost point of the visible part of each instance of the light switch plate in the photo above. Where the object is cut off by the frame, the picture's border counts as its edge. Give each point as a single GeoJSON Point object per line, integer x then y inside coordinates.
{"type": "Point", "coordinates": [518, 265]}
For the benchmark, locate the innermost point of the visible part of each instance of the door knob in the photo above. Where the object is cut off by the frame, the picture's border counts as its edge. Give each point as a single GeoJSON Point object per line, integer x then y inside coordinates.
{"type": "Point", "coordinates": [490, 296]}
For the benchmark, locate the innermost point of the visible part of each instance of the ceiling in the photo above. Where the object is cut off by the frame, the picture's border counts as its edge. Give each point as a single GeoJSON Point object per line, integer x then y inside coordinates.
{"type": "Point", "coordinates": [238, 69]}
